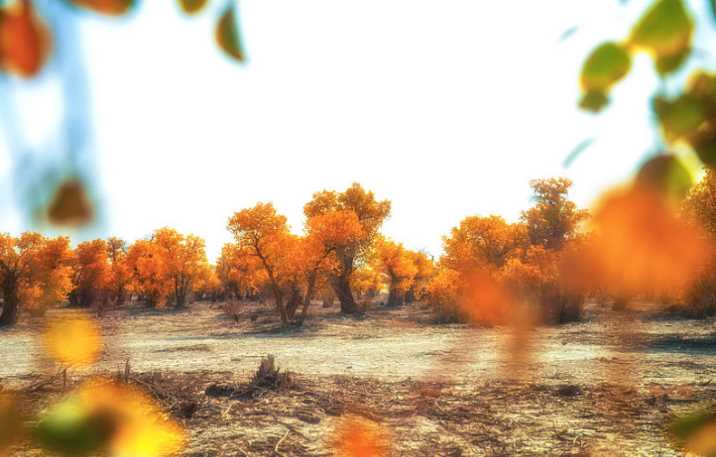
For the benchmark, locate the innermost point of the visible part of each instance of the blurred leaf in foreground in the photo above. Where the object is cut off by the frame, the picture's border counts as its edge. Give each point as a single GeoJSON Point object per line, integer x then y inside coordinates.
{"type": "Point", "coordinates": [103, 415]}
{"type": "Point", "coordinates": [665, 31]}
{"type": "Point", "coordinates": [107, 7]}
{"type": "Point", "coordinates": [605, 66]}
{"type": "Point", "coordinates": [641, 245]}
{"type": "Point", "coordinates": [10, 421]}
{"type": "Point", "coordinates": [696, 432]}
{"type": "Point", "coordinates": [228, 36]}
{"type": "Point", "coordinates": [73, 341]}
{"type": "Point", "coordinates": [665, 174]}
{"type": "Point", "coordinates": [355, 436]}
{"type": "Point", "coordinates": [192, 6]}
{"type": "Point", "coordinates": [70, 205]}
{"type": "Point", "coordinates": [24, 40]}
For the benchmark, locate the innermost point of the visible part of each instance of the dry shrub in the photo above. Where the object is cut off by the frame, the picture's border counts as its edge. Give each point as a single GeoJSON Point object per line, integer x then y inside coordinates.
{"type": "Point", "coordinates": [269, 375]}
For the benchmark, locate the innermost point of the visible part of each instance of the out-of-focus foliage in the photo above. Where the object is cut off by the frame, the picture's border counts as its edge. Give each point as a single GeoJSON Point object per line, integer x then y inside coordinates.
{"type": "Point", "coordinates": [73, 341]}
{"type": "Point", "coordinates": [227, 35]}
{"type": "Point", "coordinates": [107, 7]}
{"type": "Point", "coordinates": [11, 421]}
{"type": "Point", "coordinates": [192, 6]}
{"type": "Point", "coordinates": [607, 64]}
{"type": "Point", "coordinates": [665, 32]}
{"type": "Point", "coordinates": [695, 432]}
{"type": "Point", "coordinates": [355, 436]}
{"type": "Point", "coordinates": [493, 272]}
{"type": "Point", "coordinates": [101, 417]}
{"type": "Point", "coordinates": [24, 40]}
{"type": "Point", "coordinates": [70, 205]}
{"type": "Point", "coordinates": [640, 246]}
{"type": "Point", "coordinates": [57, 186]}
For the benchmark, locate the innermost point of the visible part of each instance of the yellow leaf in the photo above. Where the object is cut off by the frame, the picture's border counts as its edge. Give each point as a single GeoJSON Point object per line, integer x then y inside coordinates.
{"type": "Point", "coordinates": [74, 341]}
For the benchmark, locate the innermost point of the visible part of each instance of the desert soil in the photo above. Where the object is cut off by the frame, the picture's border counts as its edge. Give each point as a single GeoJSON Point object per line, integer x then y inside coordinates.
{"type": "Point", "coordinates": [602, 387]}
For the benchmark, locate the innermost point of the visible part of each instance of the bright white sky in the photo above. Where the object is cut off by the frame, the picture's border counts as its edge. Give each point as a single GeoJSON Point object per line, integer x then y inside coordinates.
{"type": "Point", "coordinates": [446, 107]}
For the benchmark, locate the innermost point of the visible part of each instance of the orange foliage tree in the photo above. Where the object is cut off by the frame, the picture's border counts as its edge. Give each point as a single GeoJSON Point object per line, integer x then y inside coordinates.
{"type": "Point", "coordinates": [240, 272]}
{"type": "Point", "coordinates": [424, 272]}
{"type": "Point", "coordinates": [120, 275]}
{"type": "Point", "coordinates": [92, 275]}
{"type": "Point", "coordinates": [370, 214]}
{"type": "Point", "coordinates": [148, 272]}
{"type": "Point", "coordinates": [34, 271]}
{"type": "Point", "coordinates": [396, 264]}
{"type": "Point", "coordinates": [184, 259]}
{"type": "Point", "coordinates": [554, 219]}
{"type": "Point", "coordinates": [263, 233]}
{"type": "Point", "coordinates": [482, 243]}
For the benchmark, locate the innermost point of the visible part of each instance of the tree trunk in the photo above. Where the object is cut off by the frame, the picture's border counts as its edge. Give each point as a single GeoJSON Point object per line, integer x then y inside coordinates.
{"type": "Point", "coordinates": [278, 296]}
{"type": "Point", "coordinates": [293, 302]}
{"type": "Point", "coordinates": [342, 287]}
{"type": "Point", "coordinates": [309, 296]}
{"type": "Point", "coordinates": [8, 316]}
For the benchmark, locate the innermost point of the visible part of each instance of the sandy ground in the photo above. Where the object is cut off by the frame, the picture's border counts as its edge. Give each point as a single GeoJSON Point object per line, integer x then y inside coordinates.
{"type": "Point", "coordinates": [600, 387]}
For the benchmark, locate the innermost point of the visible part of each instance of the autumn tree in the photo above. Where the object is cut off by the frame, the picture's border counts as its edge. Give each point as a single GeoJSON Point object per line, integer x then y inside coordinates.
{"type": "Point", "coordinates": [241, 273]}
{"type": "Point", "coordinates": [92, 275]}
{"type": "Point", "coordinates": [263, 233]}
{"type": "Point", "coordinates": [482, 243]}
{"type": "Point", "coordinates": [554, 219]}
{"type": "Point", "coordinates": [370, 214]}
{"type": "Point", "coordinates": [326, 235]}
{"type": "Point", "coordinates": [699, 209]}
{"type": "Point", "coordinates": [148, 272]}
{"type": "Point", "coordinates": [396, 264]}
{"type": "Point", "coordinates": [184, 259]}
{"type": "Point", "coordinates": [120, 275]}
{"type": "Point", "coordinates": [424, 271]}
{"type": "Point", "coordinates": [34, 271]}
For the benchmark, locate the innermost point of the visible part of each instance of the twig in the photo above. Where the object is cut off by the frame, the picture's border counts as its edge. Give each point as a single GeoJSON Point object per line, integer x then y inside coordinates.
{"type": "Point", "coordinates": [38, 385]}
{"type": "Point", "coordinates": [279, 443]}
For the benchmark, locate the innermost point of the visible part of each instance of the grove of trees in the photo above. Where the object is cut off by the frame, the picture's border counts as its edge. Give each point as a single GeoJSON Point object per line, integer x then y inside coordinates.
{"type": "Point", "coordinates": [639, 242]}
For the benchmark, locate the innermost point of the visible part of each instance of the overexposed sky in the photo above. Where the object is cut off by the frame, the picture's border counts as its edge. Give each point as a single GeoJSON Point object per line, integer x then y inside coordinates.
{"type": "Point", "coordinates": [446, 107]}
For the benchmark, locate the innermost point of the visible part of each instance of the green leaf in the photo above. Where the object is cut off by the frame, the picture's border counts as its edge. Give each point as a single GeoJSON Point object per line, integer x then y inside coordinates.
{"type": "Point", "coordinates": [665, 30]}
{"type": "Point", "coordinates": [228, 36]}
{"type": "Point", "coordinates": [606, 65]}
{"type": "Point", "coordinates": [669, 64]}
{"type": "Point", "coordinates": [192, 6]}
{"type": "Point", "coordinates": [594, 101]}
{"type": "Point", "coordinates": [680, 118]}
{"type": "Point", "coordinates": [665, 174]}
{"type": "Point", "coordinates": [69, 430]}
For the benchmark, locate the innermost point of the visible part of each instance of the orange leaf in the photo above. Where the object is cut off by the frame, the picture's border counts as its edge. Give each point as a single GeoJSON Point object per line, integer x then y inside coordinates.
{"type": "Point", "coordinates": [24, 40]}
{"type": "Point", "coordinates": [358, 437]}
{"type": "Point", "coordinates": [108, 7]}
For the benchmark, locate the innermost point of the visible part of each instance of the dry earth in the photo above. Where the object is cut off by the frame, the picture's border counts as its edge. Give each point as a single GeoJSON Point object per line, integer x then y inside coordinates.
{"type": "Point", "coordinates": [600, 387]}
